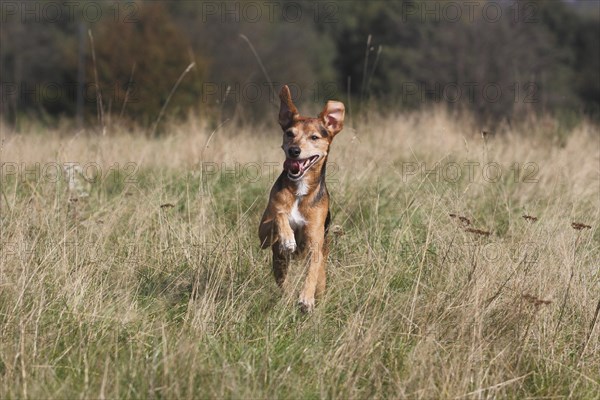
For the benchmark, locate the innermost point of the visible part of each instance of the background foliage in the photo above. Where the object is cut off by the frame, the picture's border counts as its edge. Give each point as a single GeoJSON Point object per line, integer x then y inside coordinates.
{"type": "Point", "coordinates": [543, 56]}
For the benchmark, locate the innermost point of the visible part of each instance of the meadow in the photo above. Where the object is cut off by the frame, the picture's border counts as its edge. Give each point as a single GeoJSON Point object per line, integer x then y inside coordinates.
{"type": "Point", "coordinates": [465, 263]}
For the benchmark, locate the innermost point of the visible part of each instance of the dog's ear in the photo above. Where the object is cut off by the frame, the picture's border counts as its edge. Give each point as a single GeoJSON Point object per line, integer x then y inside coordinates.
{"type": "Point", "coordinates": [333, 116]}
{"type": "Point", "coordinates": [288, 113]}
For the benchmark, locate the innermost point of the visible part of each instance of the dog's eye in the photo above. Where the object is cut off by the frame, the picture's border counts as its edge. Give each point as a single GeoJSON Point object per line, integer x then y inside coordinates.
{"type": "Point", "coordinates": [314, 137]}
{"type": "Point", "coordinates": [289, 134]}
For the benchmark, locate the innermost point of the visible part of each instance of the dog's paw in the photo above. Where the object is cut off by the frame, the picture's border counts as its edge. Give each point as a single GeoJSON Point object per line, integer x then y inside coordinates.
{"type": "Point", "coordinates": [306, 304]}
{"type": "Point", "coordinates": [287, 245]}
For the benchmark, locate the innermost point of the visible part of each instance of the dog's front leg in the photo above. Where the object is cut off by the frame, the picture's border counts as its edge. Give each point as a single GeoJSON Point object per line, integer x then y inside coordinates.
{"type": "Point", "coordinates": [285, 233]}
{"type": "Point", "coordinates": [315, 275]}
{"type": "Point", "coordinates": [282, 248]}
{"type": "Point", "coordinates": [275, 230]}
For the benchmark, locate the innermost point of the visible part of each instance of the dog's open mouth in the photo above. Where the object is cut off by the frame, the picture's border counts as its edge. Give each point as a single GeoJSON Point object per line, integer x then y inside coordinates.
{"type": "Point", "coordinates": [297, 168]}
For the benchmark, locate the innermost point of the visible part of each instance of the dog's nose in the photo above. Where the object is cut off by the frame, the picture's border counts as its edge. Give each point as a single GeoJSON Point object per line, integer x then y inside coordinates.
{"type": "Point", "coordinates": [294, 152]}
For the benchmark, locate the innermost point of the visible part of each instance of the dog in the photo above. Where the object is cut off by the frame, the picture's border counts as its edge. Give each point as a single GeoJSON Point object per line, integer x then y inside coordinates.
{"type": "Point", "coordinates": [297, 216]}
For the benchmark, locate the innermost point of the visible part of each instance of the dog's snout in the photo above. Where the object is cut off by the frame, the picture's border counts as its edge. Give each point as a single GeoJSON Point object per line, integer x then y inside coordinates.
{"type": "Point", "coordinates": [294, 151]}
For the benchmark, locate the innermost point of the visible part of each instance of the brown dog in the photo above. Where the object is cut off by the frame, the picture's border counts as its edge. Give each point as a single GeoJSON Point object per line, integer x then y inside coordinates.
{"type": "Point", "coordinates": [297, 216]}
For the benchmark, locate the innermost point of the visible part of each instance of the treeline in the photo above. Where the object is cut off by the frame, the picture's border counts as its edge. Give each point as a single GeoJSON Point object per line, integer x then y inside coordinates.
{"type": "Point", "coordinates": [134, 61]}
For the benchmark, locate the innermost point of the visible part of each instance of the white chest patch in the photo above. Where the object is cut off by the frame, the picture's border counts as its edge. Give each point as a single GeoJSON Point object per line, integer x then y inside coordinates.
{"type": "Point", "coordinates": [296, 219]}
{"type": "Point", "coordinates": [301, 188]}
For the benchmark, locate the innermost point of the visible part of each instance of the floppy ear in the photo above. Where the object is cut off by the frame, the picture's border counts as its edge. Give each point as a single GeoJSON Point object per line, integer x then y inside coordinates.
{"type": "Point", "coordinates": [288, 112]}
{"type": "Point", "coordinates": [333, 116]}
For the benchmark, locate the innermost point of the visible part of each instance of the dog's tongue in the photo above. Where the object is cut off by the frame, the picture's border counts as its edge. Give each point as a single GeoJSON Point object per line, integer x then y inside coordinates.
{"type": "Point", "coordinates": [292, 166]}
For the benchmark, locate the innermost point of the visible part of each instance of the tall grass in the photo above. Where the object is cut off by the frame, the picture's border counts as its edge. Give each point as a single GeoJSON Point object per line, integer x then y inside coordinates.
{"type": "Point", "coordinates": [140, 275]}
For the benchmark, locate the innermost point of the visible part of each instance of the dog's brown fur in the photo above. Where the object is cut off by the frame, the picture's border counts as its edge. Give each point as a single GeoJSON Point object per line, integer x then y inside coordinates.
{"type": "Point", "coordinates": [297, 216]}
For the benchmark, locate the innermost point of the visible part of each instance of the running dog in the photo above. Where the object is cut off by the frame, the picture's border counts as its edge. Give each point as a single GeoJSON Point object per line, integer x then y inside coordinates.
{"type": "Point", "coordinates": [297, 217]}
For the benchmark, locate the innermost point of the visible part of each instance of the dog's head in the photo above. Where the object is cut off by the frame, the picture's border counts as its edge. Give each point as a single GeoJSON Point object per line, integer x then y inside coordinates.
{"type": "Point", "coordinates": [306, 140]}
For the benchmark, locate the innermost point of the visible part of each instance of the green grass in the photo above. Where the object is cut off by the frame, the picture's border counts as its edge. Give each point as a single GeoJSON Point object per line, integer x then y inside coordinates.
{"type": "Point", "coordinates": [114, 296]}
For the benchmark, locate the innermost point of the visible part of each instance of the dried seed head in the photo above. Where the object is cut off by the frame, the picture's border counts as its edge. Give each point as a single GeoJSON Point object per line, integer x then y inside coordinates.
{"type": "Point", "coordinates": [463, 220]}
{"type": "Point", "coordinates": [337, 230]}
{"type": "Point", "coordinates": [530, 218]}
{"type": "Point", "coordinates": [478, 231]}
{"type": "Point", "coordinates": [535, 300]}
{"type": "Point", "coordinates": [579, 226]}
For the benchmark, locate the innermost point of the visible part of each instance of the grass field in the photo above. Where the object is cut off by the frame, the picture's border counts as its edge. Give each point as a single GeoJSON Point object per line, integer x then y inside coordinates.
{"type": "Point", "coordinates": [135, 272]}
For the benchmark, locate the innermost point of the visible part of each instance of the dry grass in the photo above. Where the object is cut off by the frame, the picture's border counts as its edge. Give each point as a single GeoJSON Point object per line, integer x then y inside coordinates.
{"type": "Point", "coordinates": [148, 281]}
